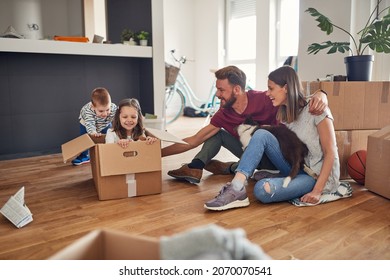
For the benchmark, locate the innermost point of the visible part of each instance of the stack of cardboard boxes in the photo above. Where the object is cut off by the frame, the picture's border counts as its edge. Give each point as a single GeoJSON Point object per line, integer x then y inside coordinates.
{"type": "Point", "coordinates": [360, 110]}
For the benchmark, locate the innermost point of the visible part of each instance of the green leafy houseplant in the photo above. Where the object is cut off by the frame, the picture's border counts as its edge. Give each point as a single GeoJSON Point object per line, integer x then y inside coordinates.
{"type": "Point", "coordinates": [375, 34]}
{"type": "Point", "coordinates": [127, 34]}
{"type": "Point", "coordinates": [142, 35]}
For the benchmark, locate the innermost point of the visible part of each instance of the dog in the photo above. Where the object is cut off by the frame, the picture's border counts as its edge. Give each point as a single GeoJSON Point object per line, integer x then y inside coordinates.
{"type": "Point", "coordinates": [293, 149]}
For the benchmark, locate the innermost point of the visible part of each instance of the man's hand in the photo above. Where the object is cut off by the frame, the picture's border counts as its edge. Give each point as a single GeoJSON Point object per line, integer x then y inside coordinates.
{"type": "Point", "coordinates": [318, 103]}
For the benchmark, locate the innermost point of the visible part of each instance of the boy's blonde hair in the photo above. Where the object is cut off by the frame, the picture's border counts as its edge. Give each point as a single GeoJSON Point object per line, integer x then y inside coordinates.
{"type": "Point", "coordinates": [100, 96]}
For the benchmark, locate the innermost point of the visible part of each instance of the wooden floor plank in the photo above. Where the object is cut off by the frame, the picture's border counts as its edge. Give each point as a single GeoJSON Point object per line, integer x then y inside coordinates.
{"type": "Point", "coordinates": [65, 206]}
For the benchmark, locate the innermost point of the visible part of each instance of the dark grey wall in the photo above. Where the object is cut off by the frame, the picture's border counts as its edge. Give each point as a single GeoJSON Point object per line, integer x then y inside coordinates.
{"type": "Point", "coordinates": [133, 14]}
{"type": "Point", "coordinates": [41, 96]}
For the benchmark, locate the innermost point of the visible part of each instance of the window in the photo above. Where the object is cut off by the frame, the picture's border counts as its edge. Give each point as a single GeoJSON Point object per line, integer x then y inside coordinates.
{"type": "Point", "coordinates": [241, 36]}
{"type": "Point", "coordinates": [241, 33]}
{"type": "Point", "coordinates": [288, 30]}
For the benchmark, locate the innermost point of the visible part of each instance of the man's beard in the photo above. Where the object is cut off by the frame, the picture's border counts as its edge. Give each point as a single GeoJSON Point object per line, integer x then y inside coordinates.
{"type": "Point", "coordinates": [229, 103]}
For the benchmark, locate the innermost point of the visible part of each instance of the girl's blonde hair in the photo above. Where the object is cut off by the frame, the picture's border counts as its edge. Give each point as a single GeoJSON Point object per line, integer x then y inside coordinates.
{"type": "Point", "coordinates": [116, 124]}
{"type": "Point", "coordinates": [286, 76]}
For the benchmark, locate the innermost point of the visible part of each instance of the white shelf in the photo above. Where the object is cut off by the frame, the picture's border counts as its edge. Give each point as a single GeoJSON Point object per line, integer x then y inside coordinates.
{"type": "Point", "coordinates": [72, 48]}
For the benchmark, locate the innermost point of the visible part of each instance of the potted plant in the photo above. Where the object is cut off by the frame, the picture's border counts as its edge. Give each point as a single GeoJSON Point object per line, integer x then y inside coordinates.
{"type": "Point", "coordinates": [374, 35]}
{"type": "Point", "coordinates": [127, 36]}
{"type": "Point", "coordinates": [143, 37]}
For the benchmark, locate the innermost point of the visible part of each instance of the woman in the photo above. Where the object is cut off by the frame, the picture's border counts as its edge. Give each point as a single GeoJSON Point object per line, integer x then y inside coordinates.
{"type": "Point", "coordinates": [317, 132]}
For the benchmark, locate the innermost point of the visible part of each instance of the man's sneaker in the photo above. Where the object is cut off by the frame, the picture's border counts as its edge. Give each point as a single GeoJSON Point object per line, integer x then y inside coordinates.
{"type": "Point", "coordinates": [228, 198]}
{"type": "Point", "coordinates": [80, 160]}
{"type": "Point", "coordinates": [218, 167]}
{"type": "Point", "coordinates": [191, 175]}
{"type": "Point", "coordinates": [262, 174]}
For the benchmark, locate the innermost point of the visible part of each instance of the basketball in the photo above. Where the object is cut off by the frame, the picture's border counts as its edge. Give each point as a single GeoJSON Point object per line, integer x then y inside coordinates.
{"type": "Point", "coordinates": [356, 166]}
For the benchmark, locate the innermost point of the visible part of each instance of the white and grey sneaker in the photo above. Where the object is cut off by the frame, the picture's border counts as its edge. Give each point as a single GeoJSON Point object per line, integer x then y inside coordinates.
{"type": "Point", "coordinates": [228, 198]}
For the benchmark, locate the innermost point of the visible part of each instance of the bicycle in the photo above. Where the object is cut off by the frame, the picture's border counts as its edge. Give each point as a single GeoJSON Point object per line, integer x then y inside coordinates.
{"type": "Point", "coordinates": [179, 94]}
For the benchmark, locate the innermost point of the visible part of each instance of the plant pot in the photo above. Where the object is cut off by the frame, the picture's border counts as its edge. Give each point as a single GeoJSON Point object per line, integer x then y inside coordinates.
{"type": "Point", "coordinates": [131, 42]}
{"type": "Point", "coordinates": [143, 42]}
{"type": "Point", "coordinates": [359, 67]}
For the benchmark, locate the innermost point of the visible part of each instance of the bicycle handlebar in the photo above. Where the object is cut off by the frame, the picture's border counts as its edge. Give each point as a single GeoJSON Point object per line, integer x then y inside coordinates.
{"type": "Point", "coordinates": [182, 60]}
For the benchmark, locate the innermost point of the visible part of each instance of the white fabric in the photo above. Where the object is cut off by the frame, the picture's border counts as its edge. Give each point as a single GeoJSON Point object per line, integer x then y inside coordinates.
{"type": "Point", "coordinates": [210, 242]}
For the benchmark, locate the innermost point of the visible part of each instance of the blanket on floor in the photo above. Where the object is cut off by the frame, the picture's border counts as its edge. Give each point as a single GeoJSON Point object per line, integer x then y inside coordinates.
{"type": "Point", "coordinates": [344, 190]}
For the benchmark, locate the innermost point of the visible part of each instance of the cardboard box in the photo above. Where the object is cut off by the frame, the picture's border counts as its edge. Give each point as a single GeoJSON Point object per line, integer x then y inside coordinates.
{"type": "Point", "coordinates": [378, 162]}
{"type": "Point", "coordinates": [349, 142]}
{"type": "Point", "coordinates": [118, 172]}
{"type": "Point", "coordinates": [310, 87]}
{"type": "Point", "coordinates": [110, 245]}
{"type": "Point", "coordinates": [359, 105]}
{"type": "Point", "coordinates": [158, 123]}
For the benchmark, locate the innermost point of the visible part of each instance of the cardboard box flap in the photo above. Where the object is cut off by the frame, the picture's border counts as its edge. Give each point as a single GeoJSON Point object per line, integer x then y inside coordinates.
{"type": "Point", "coordinates": [137, 158]}
{"type": "Point", "coordinates": [164, 136]}
{"type": "Point", "coordinates": [110, 245]}
{"type": "Point", "coordinates": [76, 146]}
{"type": "Point", "coordinates": [384, 133]}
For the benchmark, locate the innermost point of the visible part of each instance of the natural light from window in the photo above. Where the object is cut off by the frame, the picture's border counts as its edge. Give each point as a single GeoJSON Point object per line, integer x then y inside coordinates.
{"type": "Point", "coordinates": [289, 28]}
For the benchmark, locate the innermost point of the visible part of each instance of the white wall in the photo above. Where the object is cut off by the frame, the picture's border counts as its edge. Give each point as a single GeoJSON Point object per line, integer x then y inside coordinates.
{"type": "Point", "coordinates": [311, 67]}
{"type": "Point", "coordinates": [55, 17]}
{"type": "Point", "coordinates": [193, 28]}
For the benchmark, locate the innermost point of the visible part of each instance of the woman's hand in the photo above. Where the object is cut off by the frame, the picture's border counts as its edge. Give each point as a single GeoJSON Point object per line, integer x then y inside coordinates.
{"type": "Point", "coordinates": [312, 197]}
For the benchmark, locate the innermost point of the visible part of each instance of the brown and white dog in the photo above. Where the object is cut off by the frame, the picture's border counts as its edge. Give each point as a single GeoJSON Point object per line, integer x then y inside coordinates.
{"type": "Point", "coordinates": [293, 149]}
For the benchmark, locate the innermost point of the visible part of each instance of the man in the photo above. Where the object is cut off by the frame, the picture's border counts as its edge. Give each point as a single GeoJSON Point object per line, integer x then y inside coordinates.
{"type": "Point", "coordinates": [236, 106]}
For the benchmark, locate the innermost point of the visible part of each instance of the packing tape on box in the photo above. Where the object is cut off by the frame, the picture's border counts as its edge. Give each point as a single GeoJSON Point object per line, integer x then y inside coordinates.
{"type": "Point", "coordinates": [131, 185]}
{"type": "Point", "coordinates": [385, 92]}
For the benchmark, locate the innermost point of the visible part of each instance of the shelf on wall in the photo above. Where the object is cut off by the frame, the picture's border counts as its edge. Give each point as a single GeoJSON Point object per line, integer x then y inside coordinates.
{"type": "Point", "coordinates": [73, 48]}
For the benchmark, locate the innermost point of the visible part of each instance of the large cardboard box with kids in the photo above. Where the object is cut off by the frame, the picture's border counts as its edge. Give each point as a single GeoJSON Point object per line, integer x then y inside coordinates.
{"type": "Point", "coordinates": [118, 172]}
{"type": "Point", "coordinates": [378, 162]}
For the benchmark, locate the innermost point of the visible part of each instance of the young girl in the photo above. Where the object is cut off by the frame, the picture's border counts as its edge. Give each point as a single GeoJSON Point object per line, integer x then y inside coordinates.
{"type": "Point", "coordinates": [317, 132]}
{"type": "Point", "coordinates": [127, 125]}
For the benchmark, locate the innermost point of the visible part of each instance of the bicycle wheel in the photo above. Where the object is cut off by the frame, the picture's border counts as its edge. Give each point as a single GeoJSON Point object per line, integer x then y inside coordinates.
{"type": "Point", "coordinates": [174, 104]}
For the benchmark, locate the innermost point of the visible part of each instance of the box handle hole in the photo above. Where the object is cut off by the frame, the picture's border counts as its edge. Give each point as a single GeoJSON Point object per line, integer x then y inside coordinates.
{"type": "Point", "coordinates": [130, 154]}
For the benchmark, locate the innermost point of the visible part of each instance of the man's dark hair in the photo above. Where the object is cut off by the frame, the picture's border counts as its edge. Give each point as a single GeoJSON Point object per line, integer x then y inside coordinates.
{"type": "Point", "coordinates": [233, 74]}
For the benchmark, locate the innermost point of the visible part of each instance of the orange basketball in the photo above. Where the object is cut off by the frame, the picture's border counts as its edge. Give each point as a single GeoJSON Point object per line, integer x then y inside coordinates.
{"type": "Point", "coordinates": [356, 166]}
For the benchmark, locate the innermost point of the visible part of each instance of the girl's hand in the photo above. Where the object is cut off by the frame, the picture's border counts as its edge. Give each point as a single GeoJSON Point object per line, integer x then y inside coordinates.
{"type": "Point", "coordinates": [96, 134]}
{"type": "Point", "coordinates": [150, 140]}
{"type": "Point", "coordinates": [312, 197]}
{"type": "Point", "coordinates": [124, 143]}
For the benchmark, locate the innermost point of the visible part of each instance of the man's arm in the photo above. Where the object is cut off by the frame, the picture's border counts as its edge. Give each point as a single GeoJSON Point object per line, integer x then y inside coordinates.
{"type": "Point", "coordinates": [318, 102]}
{"type": "Point", "coordinates": [193, 141]}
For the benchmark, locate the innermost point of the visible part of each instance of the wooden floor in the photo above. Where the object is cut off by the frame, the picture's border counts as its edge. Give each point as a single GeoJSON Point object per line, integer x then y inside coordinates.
{"type": "Point", "coordinates": [65, 206]}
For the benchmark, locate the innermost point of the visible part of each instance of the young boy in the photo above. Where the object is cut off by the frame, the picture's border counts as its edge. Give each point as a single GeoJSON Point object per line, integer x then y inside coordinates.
{"type": "Point", "coordinates": [95, 118]}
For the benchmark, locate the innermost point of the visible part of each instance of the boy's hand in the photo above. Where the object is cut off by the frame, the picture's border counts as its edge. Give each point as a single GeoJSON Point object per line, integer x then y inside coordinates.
{"type": "Point", "coordinates": [96, 134]}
